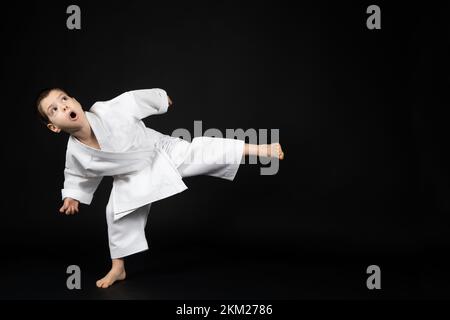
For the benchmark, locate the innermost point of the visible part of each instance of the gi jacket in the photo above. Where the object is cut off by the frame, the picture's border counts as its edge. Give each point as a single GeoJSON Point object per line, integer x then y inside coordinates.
{"type": "Point", "coordinates": [130, 153]}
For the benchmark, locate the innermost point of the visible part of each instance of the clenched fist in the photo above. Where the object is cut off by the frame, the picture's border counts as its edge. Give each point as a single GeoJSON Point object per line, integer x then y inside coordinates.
{"type": "Point", "coordinates": [70, 206]}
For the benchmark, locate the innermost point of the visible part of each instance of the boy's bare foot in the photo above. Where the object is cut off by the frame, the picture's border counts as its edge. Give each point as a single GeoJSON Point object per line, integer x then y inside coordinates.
{"type": "Point", "coordinates": [271, 150]}
{"type": "Point", "coordinates": [116, 273]}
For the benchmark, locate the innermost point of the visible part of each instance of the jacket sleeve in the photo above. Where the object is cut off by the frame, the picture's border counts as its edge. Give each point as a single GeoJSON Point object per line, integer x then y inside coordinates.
{"type": "Point", "coordinates": [78, 187]}
{"type": "Point", "coordinates": [149, 102]}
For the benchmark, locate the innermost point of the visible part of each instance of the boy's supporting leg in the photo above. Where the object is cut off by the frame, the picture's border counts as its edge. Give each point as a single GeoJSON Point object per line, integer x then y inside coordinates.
{"type": "Point", "coordinates": [126, 237]}
{"type": "Point", "coordinates": [265, 150]}
{"type": "Point", "coordinates": [116, 273]}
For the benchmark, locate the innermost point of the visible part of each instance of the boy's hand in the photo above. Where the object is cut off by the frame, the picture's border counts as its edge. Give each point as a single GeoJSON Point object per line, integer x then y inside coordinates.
{"type": "Point", "coordinates": [70, 206]}
{"type": "Point", "coordinates": [170, 101]}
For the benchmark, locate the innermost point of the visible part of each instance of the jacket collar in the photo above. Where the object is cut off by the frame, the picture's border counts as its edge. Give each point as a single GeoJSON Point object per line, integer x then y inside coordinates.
{"type": "Point", "coordinates": [101, 132]}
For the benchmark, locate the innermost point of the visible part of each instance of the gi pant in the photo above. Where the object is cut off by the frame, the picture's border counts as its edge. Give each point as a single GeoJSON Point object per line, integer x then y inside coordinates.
{"type": "Point", "coordinates": [218, 157]}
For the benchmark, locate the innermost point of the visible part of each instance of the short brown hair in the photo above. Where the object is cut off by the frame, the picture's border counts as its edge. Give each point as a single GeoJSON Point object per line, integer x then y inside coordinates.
{"type": "Point", "coordinates": [41, 96]}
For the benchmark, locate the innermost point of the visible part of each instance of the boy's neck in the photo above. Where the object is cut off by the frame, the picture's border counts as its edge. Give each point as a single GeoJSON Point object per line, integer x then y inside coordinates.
{"type": "Point", "coordinates": [86, 135]}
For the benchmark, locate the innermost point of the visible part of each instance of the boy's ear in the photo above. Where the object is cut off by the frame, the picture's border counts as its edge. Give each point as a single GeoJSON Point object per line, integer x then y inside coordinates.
{"type": "Point", "coordinates": [53, 128]}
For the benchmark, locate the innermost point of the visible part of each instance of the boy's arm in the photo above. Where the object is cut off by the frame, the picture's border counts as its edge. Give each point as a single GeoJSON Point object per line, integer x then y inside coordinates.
{"type": "Point", "coordinates": [149, 102]}
{"type": "Point", "coordinates": [78, 187]}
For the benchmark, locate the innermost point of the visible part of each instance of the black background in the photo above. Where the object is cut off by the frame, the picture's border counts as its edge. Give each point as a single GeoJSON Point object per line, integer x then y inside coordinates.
{"type": "Point", "coordinates": [363, 121]}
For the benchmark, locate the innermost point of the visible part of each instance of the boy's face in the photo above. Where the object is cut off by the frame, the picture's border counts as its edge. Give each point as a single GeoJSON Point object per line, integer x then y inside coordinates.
{"type": "Point", "coordinates": [64, 113]}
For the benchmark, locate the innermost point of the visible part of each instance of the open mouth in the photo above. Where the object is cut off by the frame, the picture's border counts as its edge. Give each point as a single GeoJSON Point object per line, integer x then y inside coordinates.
{"type": "Point", "coordinates": [73, 115]}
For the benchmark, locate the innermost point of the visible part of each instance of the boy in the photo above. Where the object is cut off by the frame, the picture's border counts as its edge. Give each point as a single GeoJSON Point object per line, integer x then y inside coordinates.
{"type": "Point", "coordinates": [111, 140]}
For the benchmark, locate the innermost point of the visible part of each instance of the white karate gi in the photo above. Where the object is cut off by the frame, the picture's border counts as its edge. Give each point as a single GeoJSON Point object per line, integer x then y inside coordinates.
{"type": "Point", "coordinates": [146, 165]}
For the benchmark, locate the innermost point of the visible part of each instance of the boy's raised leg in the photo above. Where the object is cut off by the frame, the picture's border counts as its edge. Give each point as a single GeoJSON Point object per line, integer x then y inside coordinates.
{"type": "Point", "coordinates": [272, 150]}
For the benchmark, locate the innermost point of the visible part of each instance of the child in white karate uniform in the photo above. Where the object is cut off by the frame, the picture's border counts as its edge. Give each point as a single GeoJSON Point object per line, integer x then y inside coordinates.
{"type": "Point", "coordinates": [111, 140]}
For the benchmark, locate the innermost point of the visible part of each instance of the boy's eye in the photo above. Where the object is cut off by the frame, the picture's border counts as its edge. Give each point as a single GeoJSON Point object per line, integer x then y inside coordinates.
{"type": "Point", "coordinates": [64, 98]}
